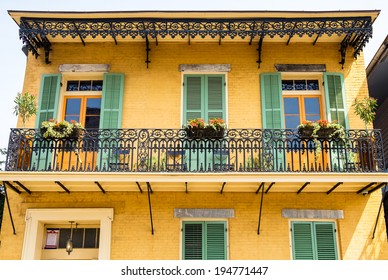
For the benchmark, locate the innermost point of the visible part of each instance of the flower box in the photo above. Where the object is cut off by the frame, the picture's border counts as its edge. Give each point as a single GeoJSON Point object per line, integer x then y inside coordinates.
{"type": "Point", "coordinates": [204, 133]}
{"type": "Point", "coordinates": [198, 129]}
{"type": "Point", "coordinates": [61, 130]}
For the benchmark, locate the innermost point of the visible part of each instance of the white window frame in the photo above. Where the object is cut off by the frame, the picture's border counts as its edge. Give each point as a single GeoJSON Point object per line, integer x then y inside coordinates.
{"type": "Point", "coordinates": [37, 218]}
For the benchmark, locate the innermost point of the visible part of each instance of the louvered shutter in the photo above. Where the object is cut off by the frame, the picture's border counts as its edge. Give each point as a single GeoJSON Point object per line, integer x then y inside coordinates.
{"type": "Point", "coordinates": [193, 97]}
{"type": "Point", "coordinates": [204, 97]}
{"type": "Point", "coordinates": [111, 115]}
{"type": "Point", "coordinates": [48, 98]}
{"type": "Point", "coordinates": [325, 241]}
{"type": "Point", "coordinates": [314, 241]}
{"type": "Point", "coordinates": [271, 100]}
{"type": "Point", "coordinates": [47, 109]}
{"type": "Point", "coordinates": [335, 98]}
{"type": "Point", "coordinates": [302, 241]}
{"type": "Point", "coordinates": [112, 100]}
{"type": "Point", "coordinates": [215, 241]}
{"type": "Point", "coordinates": [193, 241]}
{"type": "Point", "coordinates": [215, 97]}
{"type": "Point", "coordinates": [272, 118]}
{"type": "Point", "coordinates": [204, 241]}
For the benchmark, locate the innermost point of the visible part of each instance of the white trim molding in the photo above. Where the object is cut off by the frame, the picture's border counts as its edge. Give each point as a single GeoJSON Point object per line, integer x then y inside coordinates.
{"type": "Point", "coordinates": [37, 218]}
{"type": "Point", "coordinates": [312, 214]}
{"type": "Point", "coordinates": [84, 68]}
{"type": "Point", "coordinates": [204, 68]}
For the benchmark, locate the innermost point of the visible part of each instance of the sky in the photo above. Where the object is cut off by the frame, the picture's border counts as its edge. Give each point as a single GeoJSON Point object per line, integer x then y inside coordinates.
{"type": "Point", "coordinates": [13, 61]}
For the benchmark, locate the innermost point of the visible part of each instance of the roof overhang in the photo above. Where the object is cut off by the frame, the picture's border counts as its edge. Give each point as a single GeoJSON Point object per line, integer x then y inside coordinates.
{"type": "Point", "coordinates": [361, 183]}
{"type": "Point", "coordinates": [349, 28]}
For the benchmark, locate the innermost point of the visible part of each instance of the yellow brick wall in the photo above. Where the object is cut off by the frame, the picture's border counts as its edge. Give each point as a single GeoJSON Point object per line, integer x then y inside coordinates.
{"type": "Point", "coordinates": [131, 229]}
{"type": "Point", "coordinates": [153, 99]}
{"type": "Point", "coordinates": [153, 96]}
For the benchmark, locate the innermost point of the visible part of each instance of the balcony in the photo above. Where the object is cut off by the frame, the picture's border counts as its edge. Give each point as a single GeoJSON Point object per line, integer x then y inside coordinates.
{"type": "Point", "coordinates": [173, 151]}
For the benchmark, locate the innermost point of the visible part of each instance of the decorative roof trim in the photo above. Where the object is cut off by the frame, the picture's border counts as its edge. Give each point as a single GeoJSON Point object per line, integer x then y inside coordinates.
{"type": "Point", "coordinates": [35, 32]}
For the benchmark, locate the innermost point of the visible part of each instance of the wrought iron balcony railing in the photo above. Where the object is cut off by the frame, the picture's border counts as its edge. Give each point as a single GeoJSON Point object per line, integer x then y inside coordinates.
{"type": "Point", "coordinates": [172, 150]}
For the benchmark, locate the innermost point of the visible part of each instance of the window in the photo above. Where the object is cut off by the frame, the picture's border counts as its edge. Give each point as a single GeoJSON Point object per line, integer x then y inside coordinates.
{"type": "Point", "coordinates": [83, 109]}
{"type": "Point", "coordinates": [36, 219]}
{"type": "Point", "coordinates": [204, 240]}
{"type": "Point", "coordinates": [302, 101]}
{"type": "Point", "coordinates": [314, 241]}
{"type": "Point", "coordinates": [83, 237]}
{"type": "Point", "coordinates": [286, 102]}
{"type": "Point", "coordinates": [204, 97]}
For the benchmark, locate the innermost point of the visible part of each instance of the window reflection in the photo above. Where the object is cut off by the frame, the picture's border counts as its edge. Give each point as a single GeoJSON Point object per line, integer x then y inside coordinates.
{"type": "Point", "coordinates": [295, 85]}
{"type": "Point", "coordinates": [95, 85]}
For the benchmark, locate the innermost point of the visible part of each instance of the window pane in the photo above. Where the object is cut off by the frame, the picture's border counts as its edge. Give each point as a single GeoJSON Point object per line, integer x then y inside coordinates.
{"type": "Point", "coordinates": [78, 236]}
{"type": "Point", "coordinates": [292, 121]}
{"type": "Point", "coordinates": [300, 84]}
{"type": "Point", "coordinates": [97, 85]}
{"type": "Point", "coordinates": [311, 106]}
{"type": "Point", "coordinates": [287, 85]}
{"type": "Point", "coordinates": [85, 85]}
{"type": "Point", "coordinates": [90, 238]}
{"type": "Point", "coordinates": [312, 85]}
{"type": "Point", "coordinates": [73, 109]}
{"type": "Point", "coordinates": [291, 106]}
{"type": "Point", "coordinates": [72, 86]}
{"type": "Point", "coordinates": [73, 106]}
{"type": "Point", "coordinates": [64, 235]}
{"type": "Point", "coordinates": [92, 121]}
{"type": "Point", "coordinates": [93, 106]}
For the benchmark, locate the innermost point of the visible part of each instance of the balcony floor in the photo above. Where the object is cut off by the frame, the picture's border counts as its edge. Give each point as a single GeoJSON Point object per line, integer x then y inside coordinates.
{"type": "Point", "coordinates": [182, 182]}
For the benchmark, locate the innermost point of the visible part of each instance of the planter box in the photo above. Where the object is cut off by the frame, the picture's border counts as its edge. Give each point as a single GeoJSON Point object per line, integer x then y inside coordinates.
{"type": "Point", "coordinates": [204, 133]}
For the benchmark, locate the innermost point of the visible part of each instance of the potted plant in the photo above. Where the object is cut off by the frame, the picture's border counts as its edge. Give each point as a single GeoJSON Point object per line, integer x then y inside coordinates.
{"type": "Point", "coordinates": [306, 129]}
{"type": "Point", "coordinates": [198, 129]}
{"type": "Point", "coordinates": [53, 129]}
{"type": "Point", "coordinates": [365, 109]}
{"type": "Point", "coordinates": [25, 106]}
{"type": "Point", "coordinates": [320, 130]}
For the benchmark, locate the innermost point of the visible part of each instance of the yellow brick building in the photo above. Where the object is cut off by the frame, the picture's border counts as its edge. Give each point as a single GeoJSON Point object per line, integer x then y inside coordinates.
{"type": "Point", "coordinates": [135, 185]}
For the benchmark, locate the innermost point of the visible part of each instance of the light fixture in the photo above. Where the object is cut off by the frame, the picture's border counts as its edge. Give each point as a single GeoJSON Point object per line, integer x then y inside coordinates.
{"type": "Point", "coordinates": [69, 243]}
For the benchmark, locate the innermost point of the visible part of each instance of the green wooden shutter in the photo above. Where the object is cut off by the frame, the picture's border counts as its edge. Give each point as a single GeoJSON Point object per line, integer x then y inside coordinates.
{"type": "Point", "coordinates": [111, 115]}
{"type": "Point", "coordinates": [48, 98]}
{"type": "Point", "coordinates": [204, 97]}
{"type": "Point", "coordinates": [47, 109]}
{"type": "Point", "coordinates": [335, 98]}
{"type": "Point", "coordinates": [215, 93]}
{"type": "Point", "coordinates": [271, 100]}
{"type": "Point", "coordinates": [325, 241]}
{"type": "Point", "coordinates": [215, 240]}
{"type": "Point", "coordinates": [314, 241]}
{"type": "Point", "coordinates": [193, 241]}
{"type": "Point", "coordinates": [112, 100]}
{"type": "Point", "coordinates": [272, 118]}
{"type": "Point", "coordinates": [302, 241]}
{"type": "Point", "coordinates": [204, 241]}
{"type": "Point", "coordinates": [193, 97]}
